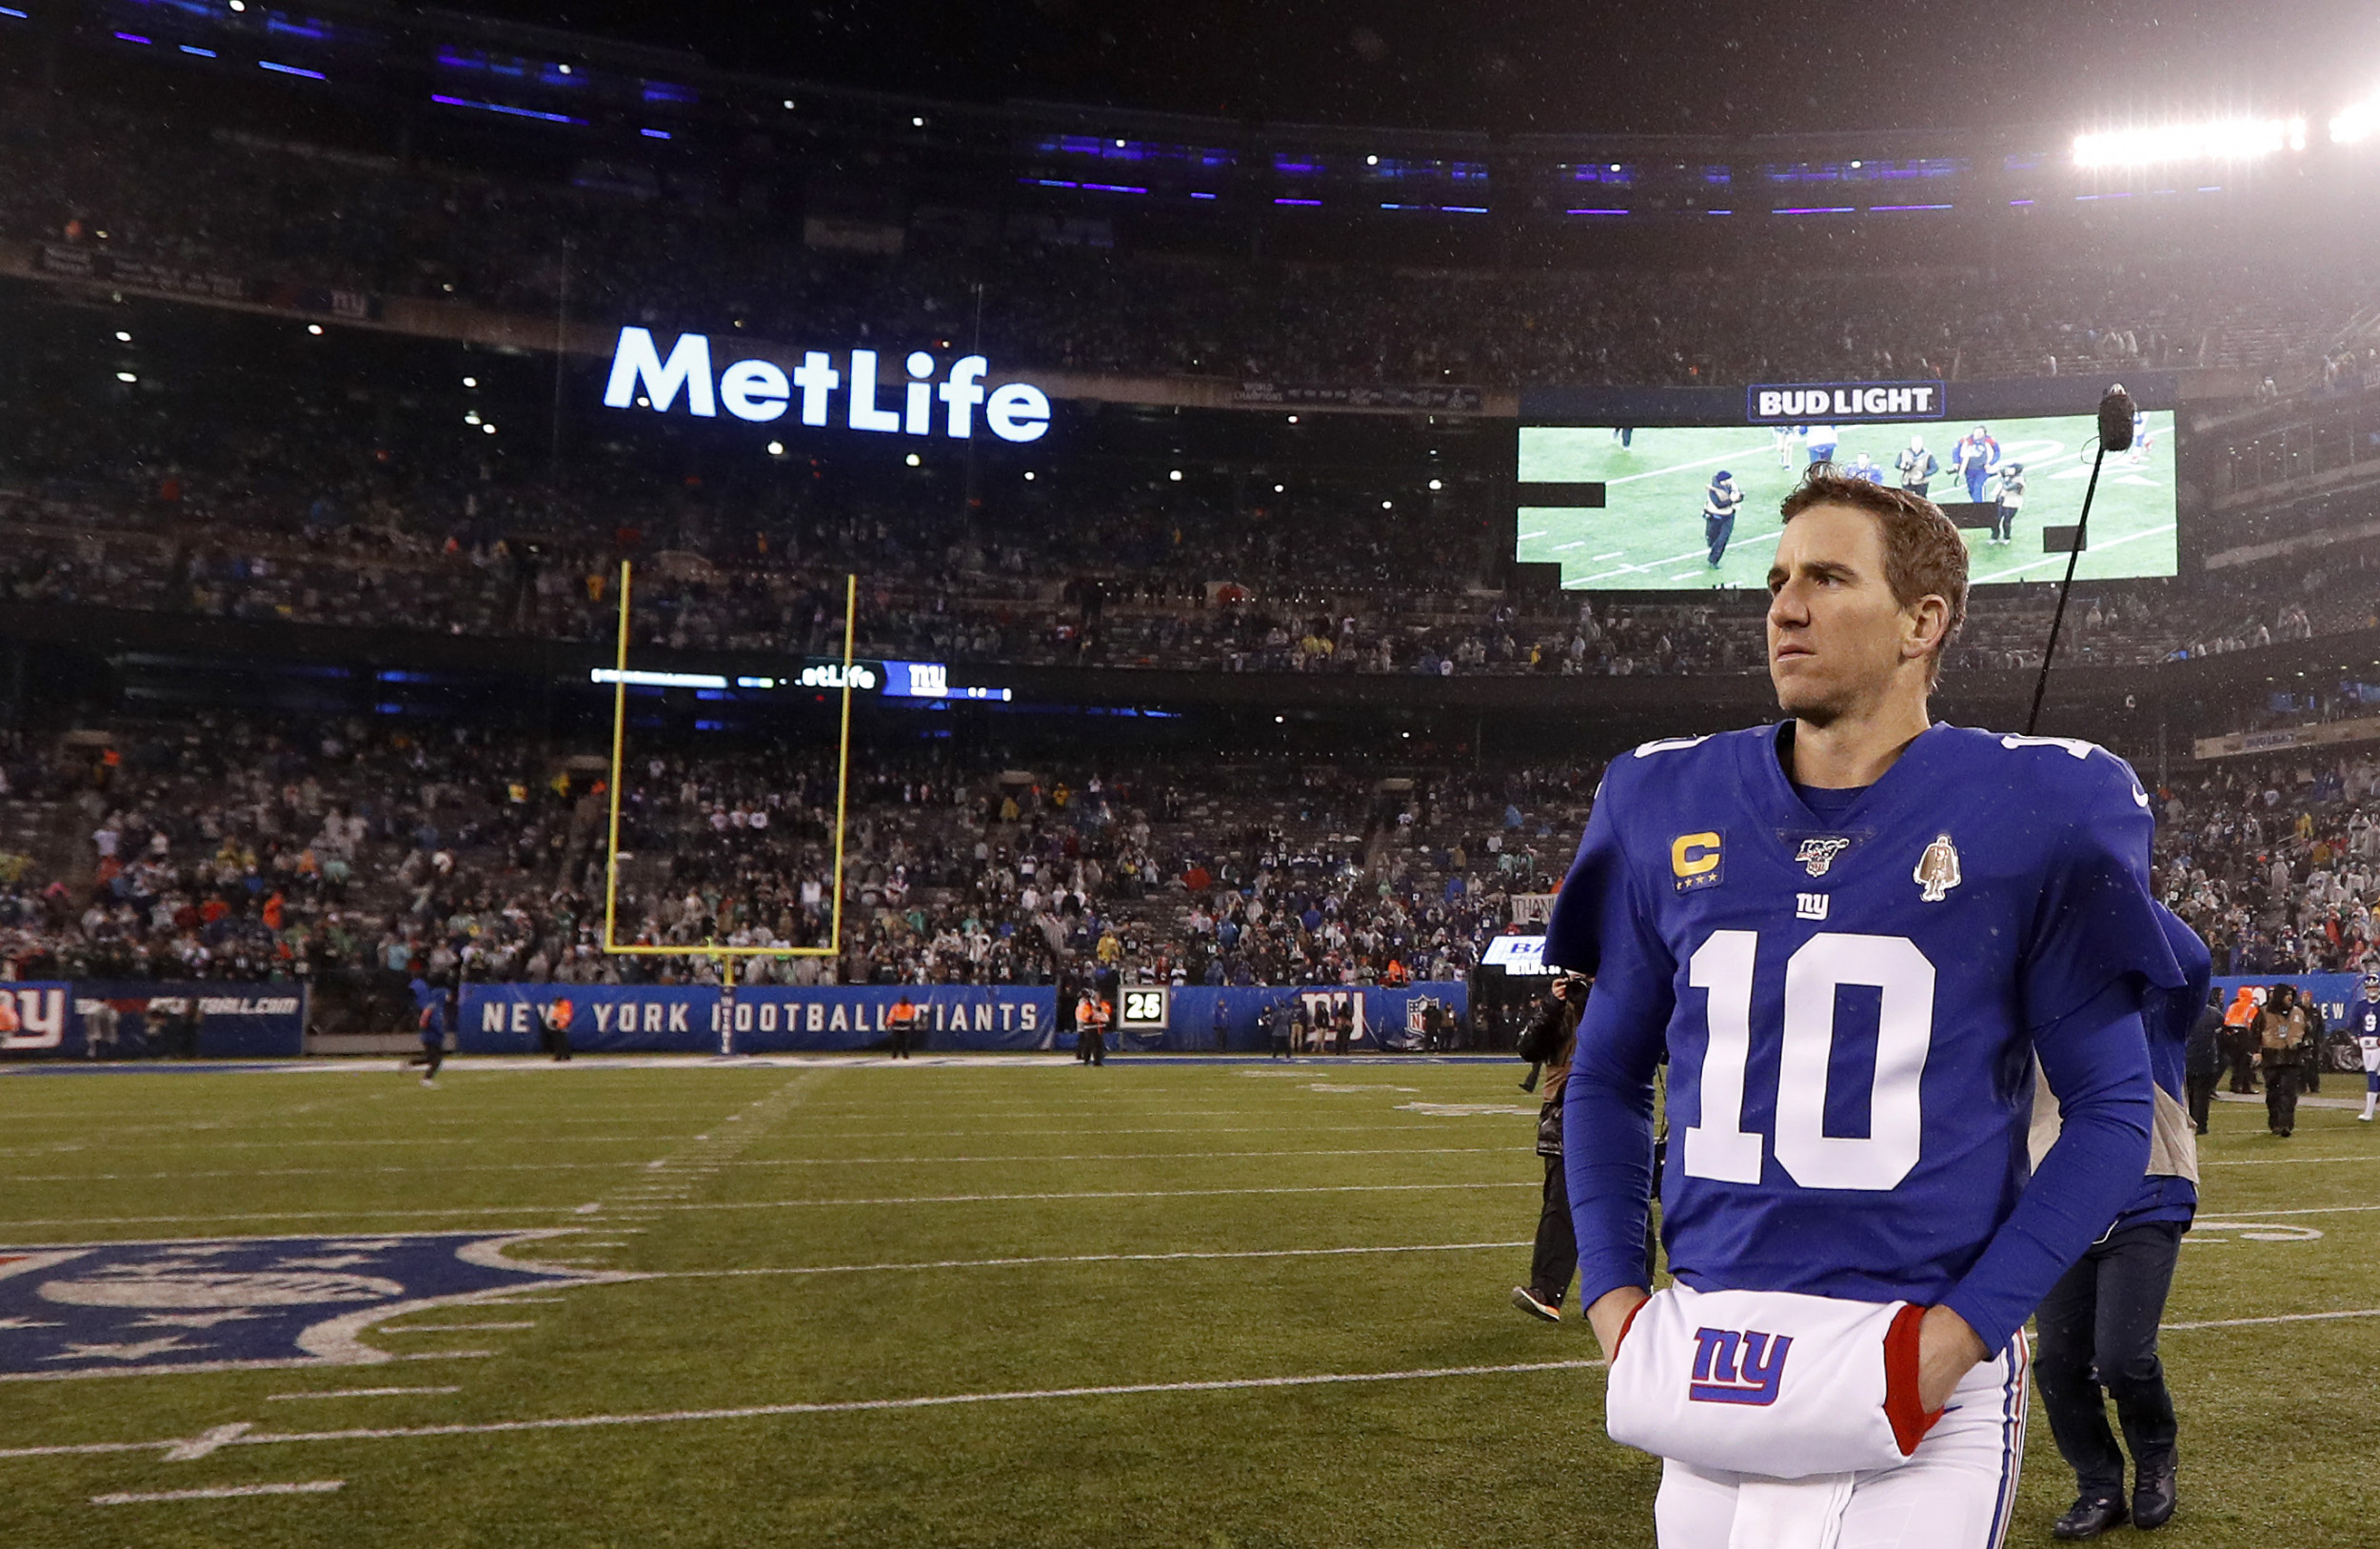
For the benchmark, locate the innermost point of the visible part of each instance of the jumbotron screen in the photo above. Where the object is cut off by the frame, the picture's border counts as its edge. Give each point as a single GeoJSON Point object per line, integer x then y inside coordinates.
{"type": "Point", "coordinates": [2014, 487]}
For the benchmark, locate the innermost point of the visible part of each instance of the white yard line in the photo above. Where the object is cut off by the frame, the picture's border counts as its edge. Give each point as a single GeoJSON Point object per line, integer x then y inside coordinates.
{"type": "Point", "coordinates": [2279, 1318]}
{"type": "Point", "coordinates": [1119, 1156]}
{"type": "Point", "coordinates": [447, 1328]}
{"type": "Point", "coordinates": [219, 1492]}
{"type": "Point", "coordinates": [678, 1416]}
{"type": "Point", "coordinates": [645, 1207]}
{"type": "Point", "coordinates": [353, 1393]}
{"type": "Point", "coordinates": [1099, 1193]}
{"type": "Point", "coordinates": [2056, 561]}
{"type": "Point", "coordinates": [1079, 1259]}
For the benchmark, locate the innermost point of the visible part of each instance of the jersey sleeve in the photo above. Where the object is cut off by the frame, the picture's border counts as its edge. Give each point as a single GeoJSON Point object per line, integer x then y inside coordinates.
{"type": "Point", "coordinates": [1602, 924]}
{"type": "Point", "coordinates": [2097, 921]}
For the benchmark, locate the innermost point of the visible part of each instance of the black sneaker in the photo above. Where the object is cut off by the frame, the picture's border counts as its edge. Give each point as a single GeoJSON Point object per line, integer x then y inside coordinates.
{"type": "Point", "coordinates": [1535, 1305]}
{"type": "Point", "coordinates": [2088, 1518]}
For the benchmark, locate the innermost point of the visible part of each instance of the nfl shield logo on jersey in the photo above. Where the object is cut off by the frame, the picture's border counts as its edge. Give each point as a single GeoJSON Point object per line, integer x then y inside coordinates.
{"type": "Point", "coordinates": [1815, 855]}
{"type": "Point", "coordinates": [1937, 870]}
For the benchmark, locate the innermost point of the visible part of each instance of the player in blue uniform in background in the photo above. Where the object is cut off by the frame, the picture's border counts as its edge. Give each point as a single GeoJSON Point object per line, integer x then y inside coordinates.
{"type": "Point", "coordinates": [430, 1011]}
{"type": "Point", "coordinates": [2363, 1022]}
{"type": "Point", "coordinates": [1851, 935]}
{"type": "Point", "coordinates": [1974, 460]}
{"type": "Point", "coordinates": [1718, 514]}
{"type": "Point", "coordinates": [2098, 1324]}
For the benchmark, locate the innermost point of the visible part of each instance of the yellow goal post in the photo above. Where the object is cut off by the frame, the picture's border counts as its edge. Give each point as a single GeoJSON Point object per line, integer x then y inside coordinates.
{"type": "Point", "coordinates": [725, 955]}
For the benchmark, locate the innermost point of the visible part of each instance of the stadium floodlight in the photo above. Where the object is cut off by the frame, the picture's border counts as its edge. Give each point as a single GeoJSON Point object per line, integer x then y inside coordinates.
{"type": "Point", "coordinates": [126, 376]}
{"type": "Point", "coordinates": [122, 337]}
{"type": "Point", "coordinates": [314, 329]}
{"type": "Point", "coordinates": [2356, 124]}
{"type": "Point", "coordinates": [2223, 139]}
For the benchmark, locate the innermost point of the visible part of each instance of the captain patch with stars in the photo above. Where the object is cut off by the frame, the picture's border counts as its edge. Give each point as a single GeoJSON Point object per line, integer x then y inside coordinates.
{"type": "Point", "coordinates": [225, 1304]}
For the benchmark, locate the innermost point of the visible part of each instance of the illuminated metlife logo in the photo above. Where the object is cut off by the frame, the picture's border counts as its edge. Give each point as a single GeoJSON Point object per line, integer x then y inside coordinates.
{"type": "Point", "coordinates": [760, 390]}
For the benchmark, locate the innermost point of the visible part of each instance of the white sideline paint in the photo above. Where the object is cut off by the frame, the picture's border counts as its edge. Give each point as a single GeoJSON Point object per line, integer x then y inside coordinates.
{"type": "Point", "coordinates": [219, 1492]}
{"type": "Point", "coordinates": [846, 1406]}
{"type": "Point", "coordinates": [1079, 1259]}
{"type": "Point", "coordinates": [353, 1393]}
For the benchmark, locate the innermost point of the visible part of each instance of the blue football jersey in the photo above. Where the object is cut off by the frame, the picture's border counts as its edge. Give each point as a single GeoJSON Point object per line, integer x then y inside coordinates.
{"type": "Point", "coordinates": [1850, 1006]}
{"type": "Point", "coordinates": [2363, 1018]}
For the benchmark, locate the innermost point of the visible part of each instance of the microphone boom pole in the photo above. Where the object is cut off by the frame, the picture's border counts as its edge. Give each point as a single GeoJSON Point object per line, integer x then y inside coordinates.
{"type": "Point", "coordinates": [2116, 410]}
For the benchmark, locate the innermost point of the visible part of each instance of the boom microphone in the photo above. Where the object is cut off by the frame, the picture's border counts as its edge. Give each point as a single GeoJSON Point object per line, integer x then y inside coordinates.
{"type": "Point", "coordinates": [2115, 419]}
{"type": "Point", "coordinates": [2116, 435]}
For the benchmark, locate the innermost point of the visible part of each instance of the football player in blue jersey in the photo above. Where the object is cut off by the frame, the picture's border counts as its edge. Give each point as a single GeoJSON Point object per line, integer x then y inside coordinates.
{"type": "Point", "coordinates": [1850, 934]}
{"type": "Point", "coordinates": [430, 1016]}
{"type": "Point", "coordinates": [2363, 1020]}
{"type": "Point", "coordinates": [1976, 459]}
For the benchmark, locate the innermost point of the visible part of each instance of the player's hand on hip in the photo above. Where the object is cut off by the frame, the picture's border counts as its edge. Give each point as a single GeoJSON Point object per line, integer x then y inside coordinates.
{"type": "Point", "coordinates": [1610, 1315]}
{"type": "Point", "coordinates": [1946, 1350]}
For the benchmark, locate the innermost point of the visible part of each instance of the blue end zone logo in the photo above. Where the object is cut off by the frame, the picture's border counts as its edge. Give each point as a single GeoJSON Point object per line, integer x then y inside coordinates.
{"type": "Point", "coordinates": [224, 1304]}
{"type": "Point", "coordinates": [1737, 1368]}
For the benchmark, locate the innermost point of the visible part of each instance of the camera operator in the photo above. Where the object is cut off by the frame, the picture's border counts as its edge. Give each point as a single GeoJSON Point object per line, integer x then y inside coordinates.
{"type": "Point", "coordinates": [1547, 1043]}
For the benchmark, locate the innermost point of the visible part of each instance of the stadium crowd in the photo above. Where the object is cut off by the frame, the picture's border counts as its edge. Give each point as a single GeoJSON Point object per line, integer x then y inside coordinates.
{"type": "Point", "coordinates": [80, 174]}
{"type": "Point", "coordinates": [226, 848]}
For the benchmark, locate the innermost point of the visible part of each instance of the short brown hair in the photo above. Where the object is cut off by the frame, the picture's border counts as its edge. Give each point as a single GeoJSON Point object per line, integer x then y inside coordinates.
{"type": "Point", "coordinates": [1924, 556]}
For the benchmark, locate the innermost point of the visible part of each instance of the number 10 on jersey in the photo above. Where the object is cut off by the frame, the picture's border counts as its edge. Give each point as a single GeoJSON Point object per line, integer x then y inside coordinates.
{"type": "Point", "coordinates": [1721, 1149]}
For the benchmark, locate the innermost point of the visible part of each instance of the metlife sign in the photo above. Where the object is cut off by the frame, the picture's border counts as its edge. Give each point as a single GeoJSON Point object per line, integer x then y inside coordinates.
{"type": "Point", "coordinates": [929, 398]}
{"type": "Point", "coordinates": [1843, 403]}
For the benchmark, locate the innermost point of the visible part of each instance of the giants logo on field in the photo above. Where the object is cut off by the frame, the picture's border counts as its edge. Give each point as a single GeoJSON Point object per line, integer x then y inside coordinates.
{"type": "Point", "coordinates": [1733, 1367]}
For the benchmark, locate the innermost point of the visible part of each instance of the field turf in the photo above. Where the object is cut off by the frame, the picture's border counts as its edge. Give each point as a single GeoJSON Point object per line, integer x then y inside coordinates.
{"type": "Point", "coordinates": [822, 1248]}
{"type": "Point", "coordinates": [1648, 534]}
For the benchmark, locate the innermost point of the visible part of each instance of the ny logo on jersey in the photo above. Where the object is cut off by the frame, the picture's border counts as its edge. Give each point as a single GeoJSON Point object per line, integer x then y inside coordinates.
{"type": "Point", "coordinates": [1815, 855]}
{"type": "Point", "coordinates": [1810, 905]}
{"type": "Point", "coordinates": [1731, 1367]}
{"type": "Point", "coordinates": [1937, 870]}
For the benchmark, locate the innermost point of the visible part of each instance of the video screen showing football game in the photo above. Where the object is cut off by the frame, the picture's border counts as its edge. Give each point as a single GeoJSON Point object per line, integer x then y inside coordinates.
{"type": "Point", "coordinates": [2014, 486]}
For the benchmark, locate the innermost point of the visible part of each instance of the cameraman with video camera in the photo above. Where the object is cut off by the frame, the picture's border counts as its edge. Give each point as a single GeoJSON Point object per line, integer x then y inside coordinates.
{"type": "Point", "coordinates": [1547, 1043]}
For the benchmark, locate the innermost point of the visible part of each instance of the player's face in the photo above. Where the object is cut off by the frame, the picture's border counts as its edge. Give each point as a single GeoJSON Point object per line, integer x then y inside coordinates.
{"type": "Point", "coordinates": [1835, 633]}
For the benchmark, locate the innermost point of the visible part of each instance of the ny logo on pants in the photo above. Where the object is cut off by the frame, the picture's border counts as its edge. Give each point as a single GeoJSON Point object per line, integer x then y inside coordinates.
{"type": "Point", "coordinates": [1731, 1367]}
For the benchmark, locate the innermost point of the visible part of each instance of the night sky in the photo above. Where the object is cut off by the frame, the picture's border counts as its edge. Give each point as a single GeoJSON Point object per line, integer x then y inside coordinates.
{"type": "Point", "coordinates": [1659, 66]}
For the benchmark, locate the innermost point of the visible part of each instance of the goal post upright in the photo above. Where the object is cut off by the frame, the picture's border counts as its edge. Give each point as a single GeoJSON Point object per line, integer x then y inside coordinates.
{"type": "Point", "coordinates": [725, 956]}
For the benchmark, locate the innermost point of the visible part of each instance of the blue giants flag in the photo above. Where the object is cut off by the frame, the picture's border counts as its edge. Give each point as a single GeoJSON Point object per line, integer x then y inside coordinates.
{"type": "Point", "coordinates": [106, 1308]}
{"type": "Point", "coordinates": [1851, 987]}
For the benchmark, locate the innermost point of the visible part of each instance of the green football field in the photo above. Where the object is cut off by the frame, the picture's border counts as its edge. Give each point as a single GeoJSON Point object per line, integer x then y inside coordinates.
{"type": "Point", "coordinates": [1648, 534]}
{"type": "Point", "coordinates": [990, 1301]}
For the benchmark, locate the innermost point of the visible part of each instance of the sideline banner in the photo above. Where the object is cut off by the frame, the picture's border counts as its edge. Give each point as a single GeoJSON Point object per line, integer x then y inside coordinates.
{"type": "Point", "coordinates": [233, 1020]}
{"type": "Point", "coordinates": [762, 1019]}
{"type": "Point", "coordinates": [776, 1018]}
